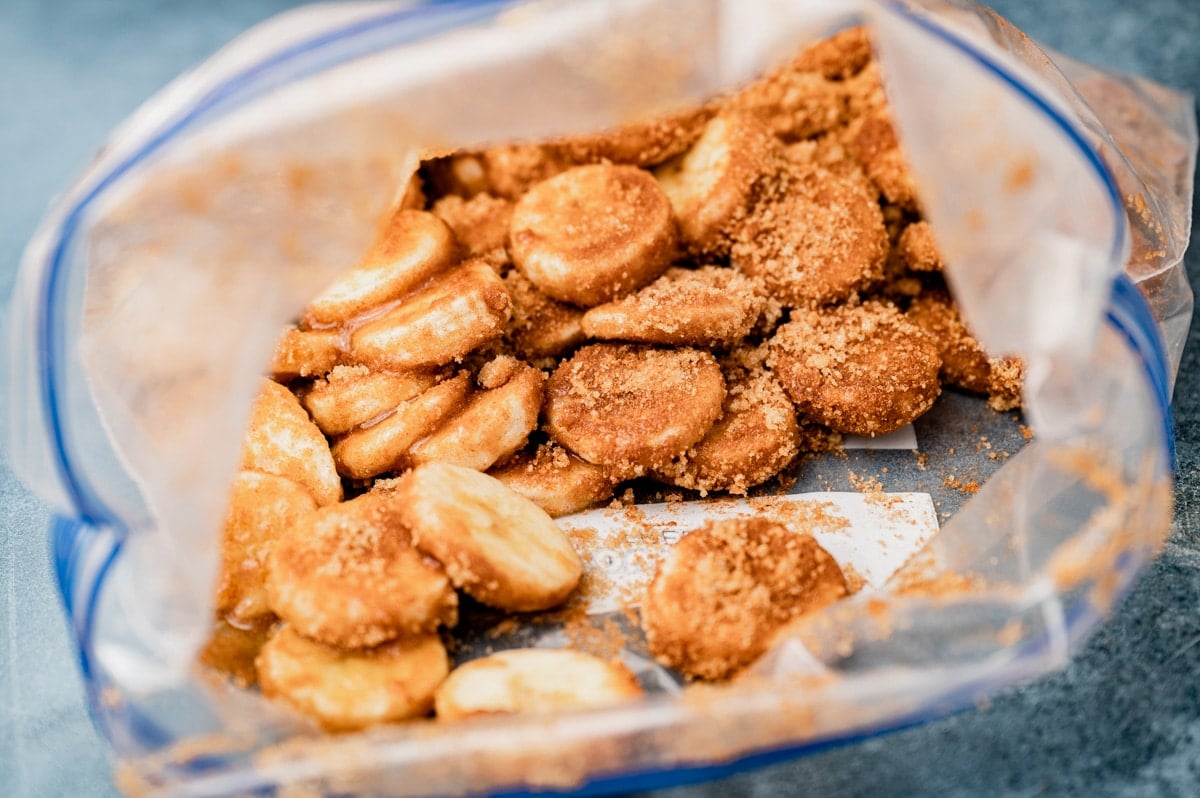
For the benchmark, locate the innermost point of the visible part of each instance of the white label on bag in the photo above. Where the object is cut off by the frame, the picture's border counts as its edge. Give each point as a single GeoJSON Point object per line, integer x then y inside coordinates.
{"type": "Point", "coordinates": [869, 534]}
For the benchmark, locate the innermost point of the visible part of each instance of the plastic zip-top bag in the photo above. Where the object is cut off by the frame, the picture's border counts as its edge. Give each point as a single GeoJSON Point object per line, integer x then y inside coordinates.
{"type": "Point", "coordinates": [154, 291]}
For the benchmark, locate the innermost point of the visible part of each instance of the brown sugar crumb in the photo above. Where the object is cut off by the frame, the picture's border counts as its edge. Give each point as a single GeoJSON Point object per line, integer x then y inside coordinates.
{"type": "Point", "coordinates": [727, 587]}
{"type": "Point", "coordinates": [497, 371]}
{"type": "Point", "coordinates": [480, 224]}
{"type": "Point", "coordinates": [917, 249]}
{"type": "Point", "coordinates": [540, 327]}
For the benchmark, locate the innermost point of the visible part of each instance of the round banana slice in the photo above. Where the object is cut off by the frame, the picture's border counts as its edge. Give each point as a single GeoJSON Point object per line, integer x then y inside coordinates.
{"type": "Point", "coordinates": [711, 307]}
{"type": "Point", "coordinates": [261, 508]}
{"type": "Point", "coordinates": [541, 327]}
{"type": "Point", "coordinates": [872, 140]}
{"type": "Point", "coordinates": [556, 480]}
{"type": "Point", "coordinates": [282, 440]}
{"type": "Point", "coordinates": [794, 104]}
{"type": "Point", "coordinates": [593, 233]}
{"type": "Point", "coordinates": [480, 224]}
{"type": "Point", "coordinates": [411, 248]}
{"type": "Point", "coordinates": [755, 438]}
{"type": "Point", "coordinates": [348, 575]}
{"type": "Point", "coordinates": [465, 308]}
{"type": "Point", "coordinates": [713, 185]}
{"type": "Point", "coordinates": [492, 425]}
{"type": "Point", "coordinates": [384, 445]}
{"type": "Point", "coordinates": [917, 249]}
{"type": "Point", "coordinates": [725, 588]}
{"type": "Point", "coordinates": [349, 690]}
{"type": "Point", "coordinates": [863, 369]}
{"type": "Point", "coordinates": [819, 241]}
{"type": "Point", "coordinates": [633, 408]}
{"type": "Point", "coordinates": [538, 681]}
{"type": "Point", "coordinates": [305, 353]}
{"type": "Point", "coordinates": [496, 545]}
{"type": "Point", "coordinates": [350, 396]}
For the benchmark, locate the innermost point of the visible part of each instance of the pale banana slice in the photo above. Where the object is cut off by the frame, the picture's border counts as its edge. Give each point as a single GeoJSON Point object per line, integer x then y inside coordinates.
{"type": "Point", "coordinates": [593, 233]}
{"type": "Point", "coordinates": [282, 440]}
{"type": "Point", "coordinates": [537, 681]}
{"type": "Point", "coordinates": [556, 480]}
{"type": "Point", "coordinates": [541, 327]}
{"type": "Point", "coordinates": [756, 437]}
{"type": "Point", "coordinates": [711, 306]}
{"type": "Point", "coordinates": [305, 353]}
{"type": "Point", "coordinates": [348, 575]}
{"type": "Point", "coordinates": [633, 408]}
{"type": "Point", "coordinates": [493, 424]}
{"type": "Point", "coordinates": [350, 396]}
{"type": "Point", "coordinates": [261, 508]}
{"type": "Point", "coordinates": [349, 690]}
{"type": "Point", "coordinates": [495, 544]}
{"type": "Point", "coordinates": [713, 184]}
{"type": "Point", "coordinates": [383, 446]}
{"type": "Point", "coordinates": [411, 248]}
{"type": "Point", "coordinates": [463, 309]}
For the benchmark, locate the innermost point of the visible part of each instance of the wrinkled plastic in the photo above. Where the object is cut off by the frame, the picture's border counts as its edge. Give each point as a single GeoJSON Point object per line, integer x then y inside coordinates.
{"type": "Point", "coordinates": [152, 294]}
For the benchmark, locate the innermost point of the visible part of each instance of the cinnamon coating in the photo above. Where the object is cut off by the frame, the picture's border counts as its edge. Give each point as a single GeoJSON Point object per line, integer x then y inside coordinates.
{"type": "Point", "coordinates": [556, 480]}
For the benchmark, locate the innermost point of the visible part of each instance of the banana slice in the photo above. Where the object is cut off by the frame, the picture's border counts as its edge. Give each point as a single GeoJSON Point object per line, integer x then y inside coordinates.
{"type": "Point", "coordinates": [348, 575]}
{"type": "Point", "coordinates": [862, 369]}
{"type": "Point", "coordinates": [282, 440]}
{"type": "Point", "coordinates": [818, 242]}
{"type": "Point", "coordinates": [713, 185]}
{"type": "Point", "coordinates": [496, 545]}
{"type": "Point", "coordinates": [725, 588]}
{"type": "Point", "coordinates": [838, 57]}
{"type": "Point", "coordinates": [480, 224]}
{"type": "Point", "coordinates": [872, 139]}
{"type": "Point", "coordinates": [493, 424]}
{"type": "Point", "coordinates": [917, 249]}
{"type": "Point", "coordinates": [305, 353]}
{"type": "Point", "coordinates": [711, 307]}
{"type": "Point", "coordinates": [643, 143]}
{"type": "Point", "coordinates": [383, 446]}
{"type": "Point", "coordinates": [756, 437]}
{"type": "Point", "coordinates": [412, 247]}
{"type": "Point", "coordinates": [633, 408]}
{"type": "Point", "coordinates": [593, 233]}
{"type": "Point", "coordinates": [556, 480]}
{"type": "Point", "coordinates": [536, 681]}
{"type": "Point", "coordinates": [261, 508]}
{"type": "Point", "coordinates": [350, 396]}
{"type": "Point", "coordinates": [349, 690]}
{"type": "Point", "coordinates": [465, 308]}
{"type": "Point", "coordinates": [541, 327]}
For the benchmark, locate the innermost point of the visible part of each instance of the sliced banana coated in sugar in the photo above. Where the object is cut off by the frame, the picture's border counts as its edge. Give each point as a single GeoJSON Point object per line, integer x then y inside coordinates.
{"type": "Point", "coordinates": [492, 425]}
{"type": "Point", "coordinates": [305, 353]}
{"type": "Point", "coordinates": [480, 224]}
{"type": "Point", "coordinates": [412, 247]}
{"type": "Point", "coordinates": [593, 233]}
{"type": "Point", "coordinates": [463, 309]}
{"type": "Point", "coordinates": [348, 575]}
{"type": "Point", "coordinates": [495, 544]}
{"type": "Point", "coordinates": [556, 480]}
{"type": "Point", "coordinates": [351, 396]}
{"type": "Point", "coordinates": [282, 440]}
{"type": "Point", "coordinates": [537, 681]}
{"type": "Point", "coordinates": [348, 690]}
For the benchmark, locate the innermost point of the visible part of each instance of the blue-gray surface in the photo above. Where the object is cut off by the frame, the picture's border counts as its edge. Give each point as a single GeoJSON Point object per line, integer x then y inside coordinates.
{"type": "Point", "coordinates": [1122, 719]}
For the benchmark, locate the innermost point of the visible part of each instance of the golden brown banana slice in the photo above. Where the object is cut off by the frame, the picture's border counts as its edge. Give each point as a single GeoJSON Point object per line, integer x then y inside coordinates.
{"type": "Point", "coordinates": [261, 508]}
{"type": "Point", "coordinates": [231, 651]}
{"type": "Point", "coordinates": [349, 690]}
{"type": "Point", "coordinates": [282, 440]}
{"type": "Point", "coordinates": [593, 233]}
{"type": "Point", "coordinates": [411, 248]}
{"type": "Point", "coordinates": [917, 250]}
{"type": "Point", "coordinates": [633, 408]}
{"type": "Point", "coordinates": [872, 139]}
{"type": "Point", "coordinates": [465, 308]}
{"type": "Point", "coordinates": [755, 438]}
{"type": "Point", "coordinates": [536, 681]}
{"type": "Point", "coordinates": [643, 143]}
{"type": "Point", "coordinates": [713, 185]}
{"type": "Point", "coordinates": [383, 446]}
{"type": "Point", "coordinates": [725, 588]}
{"type": "Point", "coordinates": [305, 353]}
{"type": "Point", "coordinates": [838, 57]}
{"type": "Point", "coordinates": [480, 224]}
{"type": "Point", "coordinates": [350, 396]}
{"type": "Point", "coordinates": [541, 327]}
{"type": "Point", "coordinates": [817, 242]}
{"type": "Point", "coordinates": [348, 575]}
{"type": "Point", "coordinates": [493, 424]}
{"type": "Point", "coordinates": [496, 545]}
{"type": "Point", "coordinates": [712, 306]}
{"type": "Point", "coordinates": [859, 369]}
{"type": "Point", "coordinates": [556, 480]}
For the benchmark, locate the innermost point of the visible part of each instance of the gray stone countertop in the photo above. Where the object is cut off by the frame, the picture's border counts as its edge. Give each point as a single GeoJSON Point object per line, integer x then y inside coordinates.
{"type": "Point", "coordinates": [1122, 719]}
